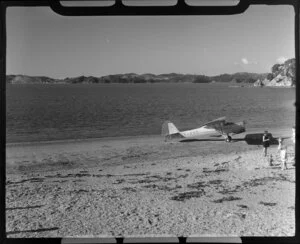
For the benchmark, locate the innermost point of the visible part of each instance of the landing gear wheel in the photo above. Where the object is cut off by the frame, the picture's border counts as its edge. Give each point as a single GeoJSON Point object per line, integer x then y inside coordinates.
{"type": "Point", "coordinates": [228, 139]}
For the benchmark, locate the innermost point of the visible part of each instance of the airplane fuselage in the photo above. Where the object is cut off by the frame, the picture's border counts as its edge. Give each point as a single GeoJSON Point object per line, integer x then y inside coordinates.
{"type": "Point", "coordinates": [199, 132]}
{"type": "Point", "coordinates": [226, 129]}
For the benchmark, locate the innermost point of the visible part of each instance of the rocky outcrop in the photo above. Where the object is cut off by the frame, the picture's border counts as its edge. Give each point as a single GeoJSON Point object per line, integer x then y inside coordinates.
{"type": "Point", "coordinates": [283, 75]}
{"type": "Point", "coordinates": [281, 80]}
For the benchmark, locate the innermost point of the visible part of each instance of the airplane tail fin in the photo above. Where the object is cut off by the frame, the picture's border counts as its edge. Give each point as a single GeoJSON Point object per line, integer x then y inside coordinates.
{"type": "Point", "coordinates": [169, 131]}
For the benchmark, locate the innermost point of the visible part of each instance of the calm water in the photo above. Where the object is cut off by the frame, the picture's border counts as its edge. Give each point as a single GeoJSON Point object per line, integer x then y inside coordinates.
{"type": "Point", "coordinates": [54, 112]}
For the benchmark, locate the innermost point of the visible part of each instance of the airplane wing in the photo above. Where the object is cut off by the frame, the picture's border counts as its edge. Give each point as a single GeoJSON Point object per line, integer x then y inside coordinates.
{"type": "Point", "coordinates": [217, 121]}
{"type": "Point", "coordinates": [216, 124]}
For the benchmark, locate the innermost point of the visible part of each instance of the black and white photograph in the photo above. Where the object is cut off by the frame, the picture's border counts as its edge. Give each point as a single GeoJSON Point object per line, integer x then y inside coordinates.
{"type": "Point", "coordinates": [150, 126]}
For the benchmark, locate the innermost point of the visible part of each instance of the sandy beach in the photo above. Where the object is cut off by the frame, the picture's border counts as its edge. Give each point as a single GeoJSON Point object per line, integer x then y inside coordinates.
{"type": "Point", "coordinates": [143, 186]}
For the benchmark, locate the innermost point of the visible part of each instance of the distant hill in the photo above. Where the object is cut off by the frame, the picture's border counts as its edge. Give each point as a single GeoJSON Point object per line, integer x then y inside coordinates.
{"type": "Point", "coordinates": [25, 79]}
{"type": "Point", "coordinates": [241, 77]}
{"type": "Point", "coordinates": [117, 78]}
{"type": "Point", "coordinates": [151, 78]}
{"type": "Point", "coordinates": [281, 75]}
{"type": "Point", "coordinates": [136, 78]}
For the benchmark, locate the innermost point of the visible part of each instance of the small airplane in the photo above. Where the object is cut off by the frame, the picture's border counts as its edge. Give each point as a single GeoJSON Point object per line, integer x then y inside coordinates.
{"type": "Point", "coordinates": [217, 127]}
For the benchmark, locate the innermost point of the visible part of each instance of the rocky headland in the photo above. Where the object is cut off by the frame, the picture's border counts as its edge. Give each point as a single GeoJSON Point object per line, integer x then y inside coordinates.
{"type": "Point", "coordinates": [283, 75]}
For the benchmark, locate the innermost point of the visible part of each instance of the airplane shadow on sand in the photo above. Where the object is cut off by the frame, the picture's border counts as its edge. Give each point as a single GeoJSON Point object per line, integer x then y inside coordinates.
{"type": "Point", "coordinates": [250, 139]}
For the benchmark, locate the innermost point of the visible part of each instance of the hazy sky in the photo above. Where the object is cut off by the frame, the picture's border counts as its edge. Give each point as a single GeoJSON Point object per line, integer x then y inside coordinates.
{"type": "Point", "coordinates": [40, 42]}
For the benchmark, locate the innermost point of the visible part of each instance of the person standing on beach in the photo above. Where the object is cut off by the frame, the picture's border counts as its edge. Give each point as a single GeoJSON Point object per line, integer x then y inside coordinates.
{"type": "Point", "coordinates": [283, 157]}
{"type": "Point", "coordinates": [280, 140]}
{"type": "Point", "coordinates": [294, 141]}
{"type": "Point", "coordinates": [293, 134]}
{"type": "Point", "coordinates": [266, 143]}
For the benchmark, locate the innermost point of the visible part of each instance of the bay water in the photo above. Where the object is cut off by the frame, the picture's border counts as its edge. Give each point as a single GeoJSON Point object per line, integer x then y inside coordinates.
{"type": "Point", "coordinates": [45, 112]}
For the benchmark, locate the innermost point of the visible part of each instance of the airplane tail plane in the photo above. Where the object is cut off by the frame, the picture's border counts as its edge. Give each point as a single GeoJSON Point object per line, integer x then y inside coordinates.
{"type": "Point", "coordinates": [169, 131]}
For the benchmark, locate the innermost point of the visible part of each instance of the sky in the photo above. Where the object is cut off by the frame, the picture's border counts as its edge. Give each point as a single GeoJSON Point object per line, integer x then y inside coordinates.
{"type": "Point", "coordinates": [41, 42]}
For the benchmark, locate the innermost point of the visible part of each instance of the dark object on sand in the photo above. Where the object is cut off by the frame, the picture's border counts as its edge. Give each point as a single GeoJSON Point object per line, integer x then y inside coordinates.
{"type": "Point", "coordinates": [256, 139]}
{"type": "Point", "coordinates": [268, 203]}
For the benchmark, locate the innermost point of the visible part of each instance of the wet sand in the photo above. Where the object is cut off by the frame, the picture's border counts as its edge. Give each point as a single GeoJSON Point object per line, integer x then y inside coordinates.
{"type": "Point", "coordinates": [143, 186]}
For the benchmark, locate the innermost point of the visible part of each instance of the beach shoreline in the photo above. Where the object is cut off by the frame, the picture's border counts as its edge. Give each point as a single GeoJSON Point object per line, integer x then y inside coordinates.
{"type": "Point", "coordinates": [143, 186]}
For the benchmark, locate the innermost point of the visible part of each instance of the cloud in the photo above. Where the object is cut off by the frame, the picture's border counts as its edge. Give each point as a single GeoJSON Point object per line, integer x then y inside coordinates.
{"type": "Point", "coordinates": [281, 60]}
{"type": "Point", "coordinates": [245, 61]}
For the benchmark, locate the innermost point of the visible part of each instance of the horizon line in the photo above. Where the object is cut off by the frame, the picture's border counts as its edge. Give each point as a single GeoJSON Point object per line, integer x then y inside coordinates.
{"type": "Point", "coordinates": [240, 72]}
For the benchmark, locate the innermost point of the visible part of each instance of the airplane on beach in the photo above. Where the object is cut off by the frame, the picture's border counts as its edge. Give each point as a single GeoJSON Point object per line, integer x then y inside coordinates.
{"type": "Point", "coordinates": [217, 127]}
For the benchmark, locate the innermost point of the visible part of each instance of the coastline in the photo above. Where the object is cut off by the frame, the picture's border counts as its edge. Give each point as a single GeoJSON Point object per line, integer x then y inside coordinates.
{"type": "Point", "coordinates": [276, 131]}
{"type": "Point", "coordinates": [219, 83]}
{"type": "Point", "coordinates": [143, 186]}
